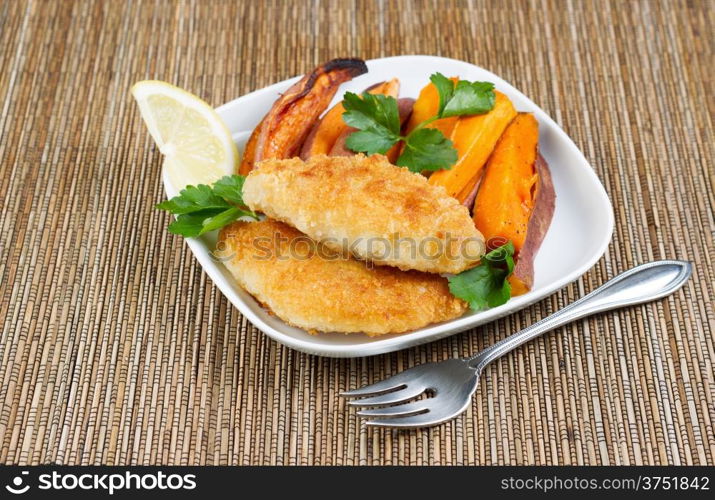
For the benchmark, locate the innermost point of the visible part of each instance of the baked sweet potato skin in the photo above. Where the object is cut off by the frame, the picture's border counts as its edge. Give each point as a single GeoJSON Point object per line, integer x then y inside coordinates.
{"type": "Point", "coordinates": [329, 128]}
{"type": "Point", "coordinates": [474, 137]}
{"type": "Point", "coordinates": [283, 130]}
{"type": "Point", "coordinates": [522, 279]}
{"type": "Point", "coordinates": [469, 194]}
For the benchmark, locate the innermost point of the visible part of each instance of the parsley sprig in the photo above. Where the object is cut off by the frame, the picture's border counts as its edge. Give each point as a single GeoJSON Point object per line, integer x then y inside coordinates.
{"type": "Point", "coordinates": [378, 122]}
{"type": "Point", "coordinates": [200, 209]}
{"type": "Point", "coordinates": [486, 285]}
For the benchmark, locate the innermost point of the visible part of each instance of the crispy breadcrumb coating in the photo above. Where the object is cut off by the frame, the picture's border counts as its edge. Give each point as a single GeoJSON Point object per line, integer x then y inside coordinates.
{"type": "Point", "coordinates": [312, 287]}
{"type": "Point", "coordinates": [370, 208]}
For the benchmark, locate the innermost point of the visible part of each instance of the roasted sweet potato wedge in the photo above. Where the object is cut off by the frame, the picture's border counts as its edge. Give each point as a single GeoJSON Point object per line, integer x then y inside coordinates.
{"type": "Point", "coordinates": [249, 152]}
{"type": "Point", "coordinates": [326, 131]}
{"type": "Point", "coordinates": [283, 130]}
{"type": "Point", "coordinates": [390, 87]}
{"type": "Point", "coordinates": [474, 137]}
{"type": "Point", "coordinates": [506, 197]}
{"type": "Point", "coordinates": [515, 200]}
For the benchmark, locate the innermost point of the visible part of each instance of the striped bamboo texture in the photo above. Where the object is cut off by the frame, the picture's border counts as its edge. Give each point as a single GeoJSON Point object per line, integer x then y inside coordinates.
{"type": "Point", "coordinates": [115, 347]}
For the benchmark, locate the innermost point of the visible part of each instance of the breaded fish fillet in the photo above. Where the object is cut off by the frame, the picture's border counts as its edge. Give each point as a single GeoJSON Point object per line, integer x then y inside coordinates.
{"type": "Point", "coordinates": [370, 208]}
{"type": "Point", "coordinates": [310, 286]}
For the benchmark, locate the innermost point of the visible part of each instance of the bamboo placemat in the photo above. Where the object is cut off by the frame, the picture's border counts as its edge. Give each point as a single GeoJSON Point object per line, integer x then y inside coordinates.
{"type": "Point", "coordinates": [117, 349]}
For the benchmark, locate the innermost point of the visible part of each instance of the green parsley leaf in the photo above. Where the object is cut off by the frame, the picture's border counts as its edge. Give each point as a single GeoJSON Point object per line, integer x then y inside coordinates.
{"type": "Point", "coordinates": [193, 199]}
{"type": "Point", "coordinates": [372, 111]}
{"type": "Point", "coordinates": [230, 188]}
{"type": "Point", "coordinates": [223, 219]}
{"type": "Point", "coordinates": [486, 285]}
{"type": "Point", "coordinates": [445, 89]}
{"type": "Point", "coordinates": [377, 119]}
{"type": "Point", "coordinates": [470, 98]}
{"type": "Point", "coordinates": [190, 225]}
{"type": "Point", "coordinates": [369, 141]}
{"type": "Point", "coordinates": [203, 208]}
{"type": "Point", "coordinates": [427, 149]}
{"type": "Point", "coordinates": [464, 98]}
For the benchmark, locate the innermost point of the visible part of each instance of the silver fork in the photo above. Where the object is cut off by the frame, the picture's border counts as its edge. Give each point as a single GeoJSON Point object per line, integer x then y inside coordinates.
{"type": "Point", "coordinates": [450, 384]}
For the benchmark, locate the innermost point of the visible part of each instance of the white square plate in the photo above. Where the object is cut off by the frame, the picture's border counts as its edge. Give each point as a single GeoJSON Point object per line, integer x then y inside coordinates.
{"type": "Point", "coordinates": [579, 233]}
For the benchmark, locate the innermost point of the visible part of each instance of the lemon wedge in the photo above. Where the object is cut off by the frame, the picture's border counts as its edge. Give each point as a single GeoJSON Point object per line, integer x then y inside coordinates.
{"type": "Point", "coordinates": [197, 145]}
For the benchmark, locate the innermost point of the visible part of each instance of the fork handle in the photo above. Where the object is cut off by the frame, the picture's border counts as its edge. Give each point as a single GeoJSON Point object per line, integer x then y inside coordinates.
{"type": "Point", "coordinates": [640, 284]}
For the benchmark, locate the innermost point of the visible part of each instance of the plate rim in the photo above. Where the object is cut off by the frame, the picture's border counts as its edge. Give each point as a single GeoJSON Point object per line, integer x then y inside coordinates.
{"type": "Point", "coordinates": [433, 332]}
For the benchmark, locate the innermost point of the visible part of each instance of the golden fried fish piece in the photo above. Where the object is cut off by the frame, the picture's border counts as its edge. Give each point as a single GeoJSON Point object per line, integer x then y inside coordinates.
{"type": "Point", "coordinates": [370, 208]}
{"type": "Point", "coordinates": [312, 287]}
